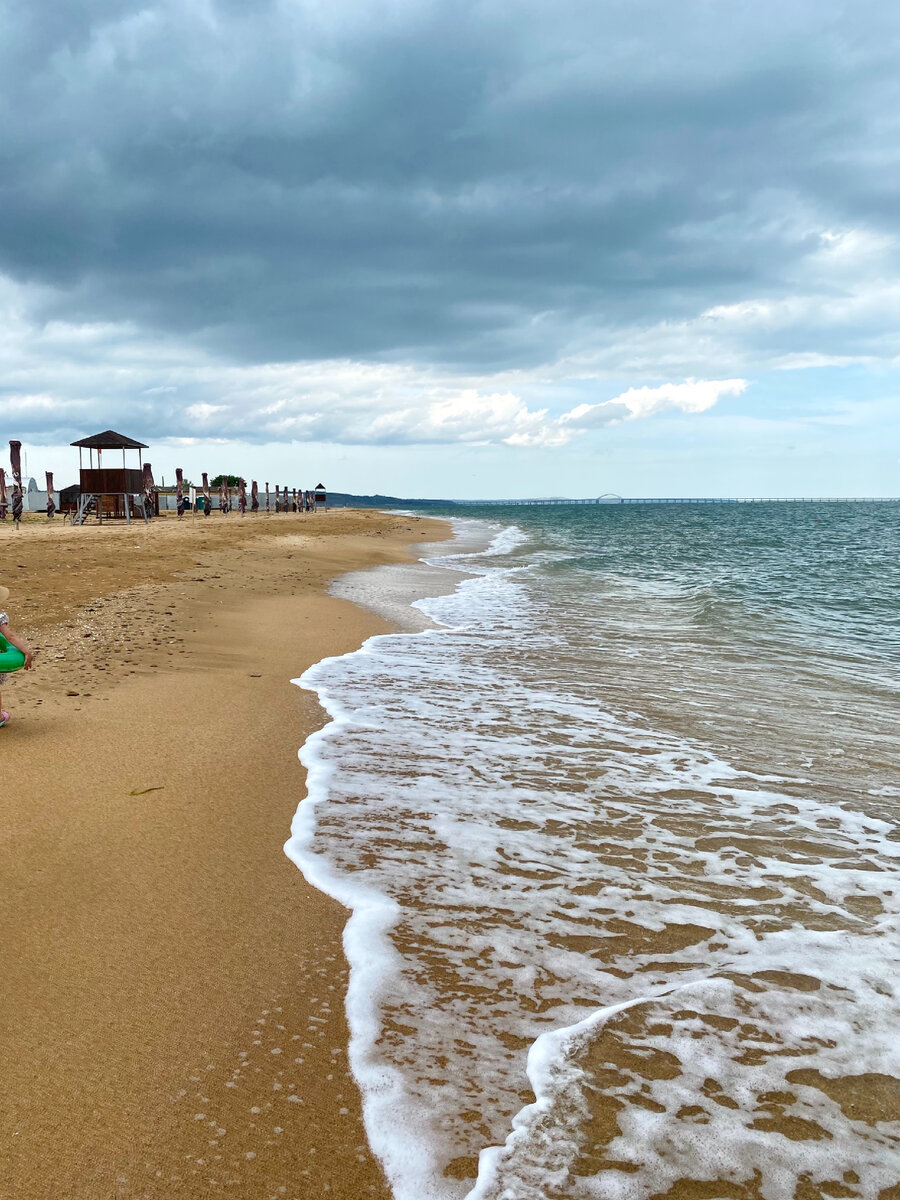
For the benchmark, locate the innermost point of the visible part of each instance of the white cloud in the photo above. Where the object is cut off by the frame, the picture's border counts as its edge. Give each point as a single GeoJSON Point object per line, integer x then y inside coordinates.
{"type": "Point", "coordinates": [853, 249]}
{"type": "Point", "coordinates": [472, 417]}
{"type": "Point", "coordinates": [693, 396]}
{"type": "Point", "coordinates": [201, 411]}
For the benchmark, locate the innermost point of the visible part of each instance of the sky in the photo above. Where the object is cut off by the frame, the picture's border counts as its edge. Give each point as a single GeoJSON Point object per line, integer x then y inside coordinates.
{"type": "Point", "coordinates": [456, 249]}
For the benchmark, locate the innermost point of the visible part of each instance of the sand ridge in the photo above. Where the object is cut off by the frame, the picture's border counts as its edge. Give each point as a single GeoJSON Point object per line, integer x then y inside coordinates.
{"type": "Point", "coordinates": [172, 1000]}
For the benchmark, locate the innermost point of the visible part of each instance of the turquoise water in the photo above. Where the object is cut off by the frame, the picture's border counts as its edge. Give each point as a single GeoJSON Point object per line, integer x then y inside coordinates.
{"type": "Point", "coordinates": [830, 569]}
{"type": "Point", "coordinates": [620, 838]}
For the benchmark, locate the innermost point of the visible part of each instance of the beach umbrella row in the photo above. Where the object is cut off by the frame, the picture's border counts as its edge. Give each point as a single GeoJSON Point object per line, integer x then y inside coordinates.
{"type": "Point", "coordinates": [285, 498]}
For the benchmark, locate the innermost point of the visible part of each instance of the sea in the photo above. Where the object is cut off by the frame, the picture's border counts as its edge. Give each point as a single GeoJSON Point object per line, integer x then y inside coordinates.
{"type": "Point", "coordinates": [615, 814]}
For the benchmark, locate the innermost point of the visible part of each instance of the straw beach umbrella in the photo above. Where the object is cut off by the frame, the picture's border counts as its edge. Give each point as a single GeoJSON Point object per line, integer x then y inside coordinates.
{"type": "Point", "coordinates": [3, 499]}
{"type": "Point", "coordinates": [179, 492]}
{"type": "Point", "coordinates": [254, 497]}
{"type": "Point", "coordinates": [207, 499]}
{"type": "Point", "coordinates": [242, 496]}
{"type": "Point", "coordinates": [15, 462]}
{"type": "Point", "coordinates": [51, 507]}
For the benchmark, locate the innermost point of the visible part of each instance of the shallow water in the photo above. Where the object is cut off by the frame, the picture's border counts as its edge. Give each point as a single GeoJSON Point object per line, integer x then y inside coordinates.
{"type": "Point", "coordinates": [626, 819]}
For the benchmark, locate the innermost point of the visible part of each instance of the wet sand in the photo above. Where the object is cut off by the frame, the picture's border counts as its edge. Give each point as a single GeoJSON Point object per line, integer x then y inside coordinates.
{"type": "Point", "coordinates": [172, 990]}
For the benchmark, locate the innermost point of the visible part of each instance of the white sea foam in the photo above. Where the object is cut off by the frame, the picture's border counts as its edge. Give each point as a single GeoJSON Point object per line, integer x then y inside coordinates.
{"type": "Point", "coordinates": [373, 960]}
{"type": "Point", "coordinates": [542, 848]}
{"type": "Point", "coordinates": [392, 591]}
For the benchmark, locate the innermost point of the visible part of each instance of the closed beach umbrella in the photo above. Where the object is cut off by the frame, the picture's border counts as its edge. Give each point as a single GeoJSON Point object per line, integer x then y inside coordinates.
{"type": "Point", "coordinates": [294, 493]}
{"type": "Point", "coordinates": [254, 496]}
{"type": "Point", "coordinates": [15, 462]}
{"type": "Point", "coordinates": [277, 498]}
{"type": "Point", "coordinates": [148, 488]}
{"type": "Point", "coordinates": [267, 497]}
{"type": "Point", "coordinates": [3, 499]}
{"type": "Point", "coordinates": [179, 491]}
{"type": "Point", "coordinates": [207, 499]}
{"type": "Point", "coordinates": [51, 507]}
{"type": "Point", "coordinates": [223, 496]}
{"type": "Point", "coordinates": [242, 496]}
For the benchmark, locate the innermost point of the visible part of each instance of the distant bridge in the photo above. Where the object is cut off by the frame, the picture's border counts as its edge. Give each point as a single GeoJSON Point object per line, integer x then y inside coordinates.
{"type": "Point", "coordinates": [612, 498]}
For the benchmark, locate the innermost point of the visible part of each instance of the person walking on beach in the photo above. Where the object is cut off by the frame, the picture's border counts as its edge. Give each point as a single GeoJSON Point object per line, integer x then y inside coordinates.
{"type": "Point", "coordinates": [14, 640]}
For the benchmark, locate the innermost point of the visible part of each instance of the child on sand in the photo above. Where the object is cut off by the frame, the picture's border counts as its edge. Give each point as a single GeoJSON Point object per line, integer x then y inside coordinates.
{"type": "Point", "coordinates": [13, 640]}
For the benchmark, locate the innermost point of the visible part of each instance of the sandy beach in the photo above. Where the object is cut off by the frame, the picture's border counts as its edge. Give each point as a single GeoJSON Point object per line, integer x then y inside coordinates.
{"type": "Point", "coordinates": [172, 989]}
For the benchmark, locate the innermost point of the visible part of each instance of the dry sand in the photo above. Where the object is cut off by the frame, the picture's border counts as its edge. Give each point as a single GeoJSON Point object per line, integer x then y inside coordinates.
{"type": "Point", "coordinates": [172, 989]}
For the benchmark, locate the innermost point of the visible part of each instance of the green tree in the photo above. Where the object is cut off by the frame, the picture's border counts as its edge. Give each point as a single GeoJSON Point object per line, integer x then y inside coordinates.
{"type": "Point", "coordinates": [233, 481]}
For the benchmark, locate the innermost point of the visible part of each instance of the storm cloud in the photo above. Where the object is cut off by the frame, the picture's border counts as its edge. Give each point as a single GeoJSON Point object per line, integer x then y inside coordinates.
{"type": "Point", "coordinates": [414, 221]}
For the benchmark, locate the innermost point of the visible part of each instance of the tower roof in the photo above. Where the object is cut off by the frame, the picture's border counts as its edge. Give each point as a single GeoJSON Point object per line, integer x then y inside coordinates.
{"type": "Point", "coordinates": [109, 440]}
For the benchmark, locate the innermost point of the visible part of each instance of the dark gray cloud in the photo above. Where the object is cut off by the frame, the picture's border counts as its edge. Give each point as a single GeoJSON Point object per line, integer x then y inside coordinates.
{"type": "Point", "coordinates": [480, 186]}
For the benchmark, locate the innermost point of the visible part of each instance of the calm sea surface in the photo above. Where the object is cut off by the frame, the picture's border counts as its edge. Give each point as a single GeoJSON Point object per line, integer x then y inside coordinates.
{"type": "Point", "coordinates": [620, 837]}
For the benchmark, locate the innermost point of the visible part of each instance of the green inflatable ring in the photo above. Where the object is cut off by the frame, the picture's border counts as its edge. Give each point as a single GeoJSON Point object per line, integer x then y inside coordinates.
{"type": "Point", "coordinates": [11, 659]}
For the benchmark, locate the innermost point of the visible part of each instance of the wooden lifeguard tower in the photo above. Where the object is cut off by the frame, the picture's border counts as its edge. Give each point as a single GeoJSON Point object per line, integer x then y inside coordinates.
{"type": "Point", "coordinates": [320, 497]}
{"type": "Point", "coordinates": [112, 491]}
